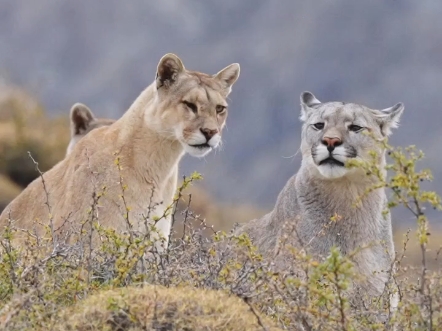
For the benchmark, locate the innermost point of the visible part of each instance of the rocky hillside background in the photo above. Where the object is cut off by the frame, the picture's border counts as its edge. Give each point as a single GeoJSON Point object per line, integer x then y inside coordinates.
{"type": "Point", "coordinates": [104, 53]}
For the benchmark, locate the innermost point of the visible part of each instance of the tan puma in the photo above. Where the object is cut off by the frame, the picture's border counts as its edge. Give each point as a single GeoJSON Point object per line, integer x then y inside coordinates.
{"type": "Point", "coordinates": [83, 121]}
{"type": "Point", "coordinates": [181, 111]}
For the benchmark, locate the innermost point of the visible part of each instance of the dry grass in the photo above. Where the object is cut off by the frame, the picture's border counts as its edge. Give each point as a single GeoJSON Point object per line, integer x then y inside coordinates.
{"type": "Point", "coordinates": [160, 308]}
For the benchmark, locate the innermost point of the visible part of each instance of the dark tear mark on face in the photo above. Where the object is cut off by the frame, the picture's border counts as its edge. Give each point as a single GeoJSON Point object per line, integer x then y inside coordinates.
{"type": "Point", "coordinates": [351, 152]}
{"type": "Point", "coordinates": [381, 126]}
{"type": "Point", "coordinates": [207, 94]}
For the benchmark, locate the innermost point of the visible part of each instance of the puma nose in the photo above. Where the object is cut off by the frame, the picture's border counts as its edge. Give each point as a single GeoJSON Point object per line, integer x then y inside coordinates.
{"type": "Point", "coordinates": [208, 133]}
{"type": "Point", "coordinates": [331, 143]}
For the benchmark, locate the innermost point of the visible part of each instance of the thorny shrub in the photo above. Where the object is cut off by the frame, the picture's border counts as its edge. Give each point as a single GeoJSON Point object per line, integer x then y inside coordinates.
{"type": "Point", "coordinates": [43, 276]}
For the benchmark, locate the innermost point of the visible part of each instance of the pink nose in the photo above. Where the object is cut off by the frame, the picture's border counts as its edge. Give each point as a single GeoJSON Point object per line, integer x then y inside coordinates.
{"type": "Point", "coordinates": [208, 133]}
{"type": "Point", "coordinates": [331, 143]}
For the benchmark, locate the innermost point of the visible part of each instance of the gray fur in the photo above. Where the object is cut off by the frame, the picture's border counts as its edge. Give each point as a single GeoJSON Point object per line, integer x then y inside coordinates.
{"type": "Point", "coordinates": [317, 192]}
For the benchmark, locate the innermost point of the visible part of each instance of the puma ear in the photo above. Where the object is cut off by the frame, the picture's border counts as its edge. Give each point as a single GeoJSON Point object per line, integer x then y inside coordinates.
{"type": "Point", "coordinates": [81, 116]}
{"type": "Point", "coordinates": [308, 100]}
{"type": "Point", "coordinates": [228, 75]}
{"type": "Point", "coordinates": [388, 118]}
{"type": "Point", "coordinates": [169, 67]}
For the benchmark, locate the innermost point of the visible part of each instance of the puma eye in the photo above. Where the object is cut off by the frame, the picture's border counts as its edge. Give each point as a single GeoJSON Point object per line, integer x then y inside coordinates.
{"type": "Point", "coordinates": [191, 106]}
{"type": "Point", "coordinates": [220, 109]}
{"type": "Point", "coordinates": [319, 126]}
{"type": "Point", "coordinates": [355, 128]}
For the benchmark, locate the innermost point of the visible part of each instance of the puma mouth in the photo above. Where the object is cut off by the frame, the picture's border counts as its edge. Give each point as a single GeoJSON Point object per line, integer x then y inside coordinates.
{"type": "Point", "coordinates": [201, 146]}
{"type": "Point", "coordinates": [331, 161]}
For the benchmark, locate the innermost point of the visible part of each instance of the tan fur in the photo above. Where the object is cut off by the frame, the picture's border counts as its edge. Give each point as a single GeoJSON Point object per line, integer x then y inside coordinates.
{"type": "Point", "coordinates": [83, 121]}
{"type": "Point", "coordinates": [149, 141]}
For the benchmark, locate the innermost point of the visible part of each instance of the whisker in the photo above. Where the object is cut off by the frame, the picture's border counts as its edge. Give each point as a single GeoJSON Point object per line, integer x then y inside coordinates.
{"type": "Point", "coordinates": [289, 157]}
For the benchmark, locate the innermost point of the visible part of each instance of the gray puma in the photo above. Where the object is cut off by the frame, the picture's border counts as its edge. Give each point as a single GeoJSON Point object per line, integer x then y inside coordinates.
{"type": "Point", "coordinates": [332, 133]}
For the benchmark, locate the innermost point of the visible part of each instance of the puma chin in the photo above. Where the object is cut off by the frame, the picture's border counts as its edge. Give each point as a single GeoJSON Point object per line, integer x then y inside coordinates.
{"type": "Point", "coordinates": [331, 164]}
{"type": "Point", "coordinates": [199, 145]}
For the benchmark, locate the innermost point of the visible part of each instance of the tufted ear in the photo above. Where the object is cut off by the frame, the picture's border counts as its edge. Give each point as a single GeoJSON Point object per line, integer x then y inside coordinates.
{"type": "Point", "coordinates": [388, 118]}
{"type": "Point", "coordinates": [308, 100]}
{"type": "Point", "coordinates": [228, 75]}
{"type": "Point", "coordinates": [80, 116]}
{"type": "Point", "coordinates": [169, 67]}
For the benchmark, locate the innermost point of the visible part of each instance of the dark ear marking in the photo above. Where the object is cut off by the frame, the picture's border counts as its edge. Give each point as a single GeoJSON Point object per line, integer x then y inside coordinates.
{"type": "Point", "coordinates": [308, 100]}
{"type": "Point", "coordinates": [81, 117]}
{"type": "Point", "coordinates": [169, 67]}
